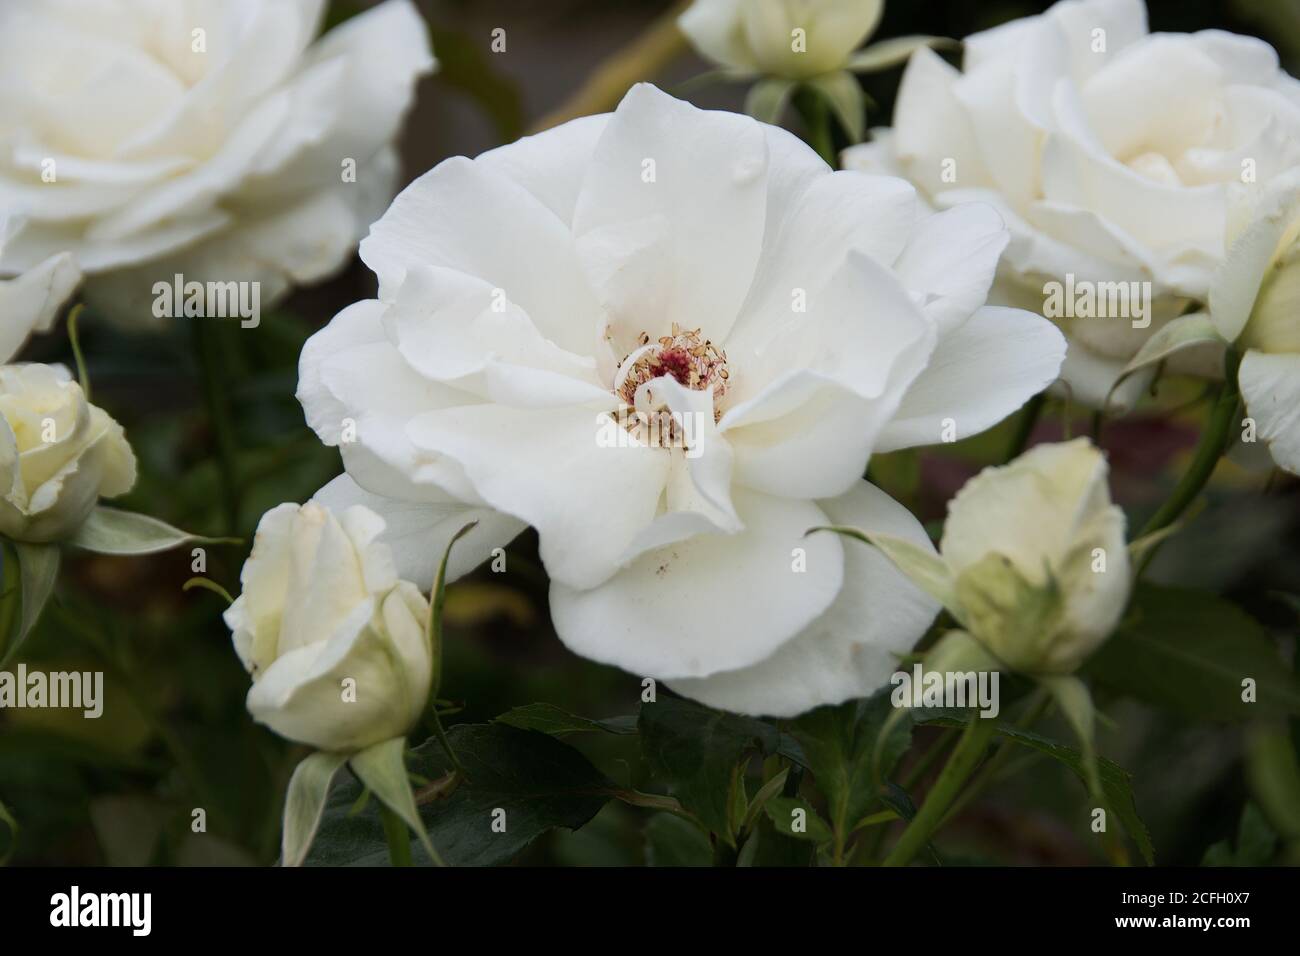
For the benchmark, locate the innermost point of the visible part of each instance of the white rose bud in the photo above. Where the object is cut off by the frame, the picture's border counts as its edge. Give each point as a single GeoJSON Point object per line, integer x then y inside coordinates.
{"type": "Point", "coordinates": [795, 39]}
{"type": "Point", "coordinates": [1036, 557]}
{"type": "Point", "coordinates": [1255, 301]}
{"type": "Point", "coordinates": [335, 642]}
{"type": "Point", "coordinates": [58, 454]}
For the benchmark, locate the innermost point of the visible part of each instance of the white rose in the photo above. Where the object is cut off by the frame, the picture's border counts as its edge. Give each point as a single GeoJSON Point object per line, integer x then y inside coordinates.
{"type": "Point", "coordinates": [795, 39]}
{"type": "Point", "coordinates": [1109, 152]}
{"type": "Point", "coordinates": [335, 642]}
{"type": "Point", "coordinates": [31, 302]}
{"type": "Point", "coordinates": [210, 139]}
{"type": "Point", "coordinates": [668, 259]}
{"type": "Point", "coordinates": [1255, 303]}
{"type": "Point", "coordinates": [58, 454]}
{"type": "Point", "coordinates": [1033, 559]}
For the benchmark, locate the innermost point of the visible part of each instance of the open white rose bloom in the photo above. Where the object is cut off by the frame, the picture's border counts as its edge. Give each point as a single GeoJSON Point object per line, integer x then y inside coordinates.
{"type": "Point", "coordinates": [759, 36]}
{"type": "Point", "coordinates": [210, 138]}
{"type": "Point", "coordinates": [1109, 152]}
{"type": "Point", "coordinates": [1255, 303]}
{"type": "Point", "coordinates": [322, 605]}
{"type": "Point", "coordinates": [668, 259]}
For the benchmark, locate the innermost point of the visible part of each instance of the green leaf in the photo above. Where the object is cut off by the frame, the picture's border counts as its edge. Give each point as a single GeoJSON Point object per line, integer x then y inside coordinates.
{"type": "Point", "coordinates": [38, 569]}
{"type": "Point", "coordinates": [305, 802]}
{"type": "Point", "coordinates": [787, 813]}
{"type": "Point", "coordinates": [1071, 695]}
{"type": "Point", "coordinates": [1189, 652]}
{"type": "Point", "coordinates": [1274, 775]}
{"type": "Point", "coordinates": [1256, 842]}
{"type": "Point", "coordinates": [892, 52]}
{"type": "Point", "coordinates": [842, 93]}
{"type": "Point", "coordinates": [110, 531]}
{"type": "Point", "coordinates": [672, 841]}
{"type": "Point", "coordinates": [922, 567]}
{"type": "Point", "coordinates": [382, 768]}
{"type": "Point", "coordinates": [539, 782]}
{"type": "Point", "coordinates": [557, 722]}
{"type": "Point", "coordinates": [695, 749]}
{"type": "Point", "coordinates": [1116, 782]}
{"type": "Point", "coordinates": [767, 99]}
{"type": "Point", "coordinates": [841, 742]}
{"type": "Point", "coordinates": [1184, 332]}
{"type": "Point", "coordinates": [437, 600]}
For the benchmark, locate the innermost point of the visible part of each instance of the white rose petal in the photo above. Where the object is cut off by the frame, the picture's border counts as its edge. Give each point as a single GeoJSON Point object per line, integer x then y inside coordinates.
{"type": "Point", "coordinates": [31, 302]}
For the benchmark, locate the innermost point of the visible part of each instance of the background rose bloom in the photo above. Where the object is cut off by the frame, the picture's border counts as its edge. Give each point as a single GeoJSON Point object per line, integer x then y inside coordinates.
{"type": "Point", "coordinates": [1255, 302]}
{"type": "Point", "coordinates": [757, 36]}
{"type": "Point", "coordinates": [1108, 151]}
{"type": "Point", "coordinates": [154, 137]}
{"type": "Point", "coordinates": [58, 454]}
{"type": "Point", "coordinates": [668, 259]}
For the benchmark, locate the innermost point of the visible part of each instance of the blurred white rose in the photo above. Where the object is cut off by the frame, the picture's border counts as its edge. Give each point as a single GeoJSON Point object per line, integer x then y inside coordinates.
{"type": "Point", "coordinates": [787, 320]}
{"type": "Point", "coordinates": [334, 641]}
{"type": "Point", "coordinates": [58, 454]}
{"type": "Point", "coordinates": [1255, 303]}
{"type": "Point", "coordinates": [795, 39]}
{"type": "Point", "coordinates": [1109, 152]}
{"type": "Point", "coordinates": [210, 138]}
{"type": "Point", "coordinates": [1033, 562]}
{"type": "Point", "coordinates": [31, 302]}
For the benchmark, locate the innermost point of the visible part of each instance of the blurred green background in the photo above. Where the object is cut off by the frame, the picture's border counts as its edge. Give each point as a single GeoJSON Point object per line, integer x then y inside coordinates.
{"type": "Point", "coordinates": [221, 439]}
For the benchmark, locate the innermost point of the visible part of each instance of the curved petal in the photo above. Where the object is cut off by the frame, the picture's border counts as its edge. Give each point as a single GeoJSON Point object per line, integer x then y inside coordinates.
{"type": "Point", "coordinates": [834, 376]}
{"type": "Point", "coordinates": [932, 128]}
{"type": "Point", "coordinates": [709, 603]}
{"type": "Point", "coordinates": [1271, 386]}
{"type": "Point", "coordinates": [359, 393]}
{"type": "Point", "coordinates": [453, 328]}
{"type": "Point", "coordinates": [806, 244]}
{"type": "Point", "coordinates": [951, 259]}
{"type": "Point", "coordinates": [470, 217]}
{"type": "Point", "coordinates": [715, 28]}
{"type": "Point", "coordinates": [30, 302]}
{"type": "Point", "coordinates": [670, 220]}
{"type": "Point", "coordinates": [853, 647]}
{"type": "Point", "coordinates": [587, 498]}
{"type": "Point", "coordinates": [418, 532]}
{"type": "Point", "coordinates": [551, 165]}
{"type": "Point", "coordinates": [981, 372]}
